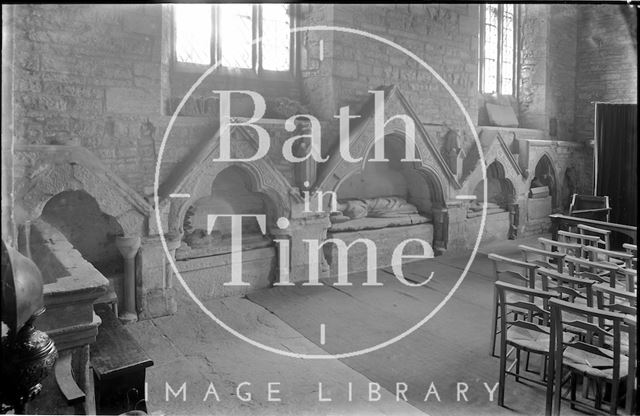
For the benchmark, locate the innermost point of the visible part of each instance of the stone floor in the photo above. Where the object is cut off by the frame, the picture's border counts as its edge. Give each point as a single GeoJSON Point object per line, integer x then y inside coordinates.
{"type": "Point", "coordinates": [450, 353]}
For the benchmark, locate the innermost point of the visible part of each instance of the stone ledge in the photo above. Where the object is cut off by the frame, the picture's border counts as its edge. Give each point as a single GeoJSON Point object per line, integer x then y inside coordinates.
{"type": "Point", "coordinates": [75, 335]}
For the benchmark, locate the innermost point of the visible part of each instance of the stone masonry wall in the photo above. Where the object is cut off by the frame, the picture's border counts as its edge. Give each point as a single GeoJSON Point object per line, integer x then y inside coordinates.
{"type": "Point", "coordinates": [444, 36]}
{"type": "Point", "coordinates": [561, 69]}
{"type": "Point", "coordinates": [533, 66]}
{"type": "Point", "coordinates": [547, 76]}
{"type": "Point", "coordinates": [88, 74]}
{"type": "Point", "coordinates": [607, 59]}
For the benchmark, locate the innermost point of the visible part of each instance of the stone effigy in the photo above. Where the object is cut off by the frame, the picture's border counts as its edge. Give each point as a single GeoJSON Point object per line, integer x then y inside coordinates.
{"type": "Point", "coordinates": [375, 213]}
{"type": "Point", "coordinates": [381, 207]}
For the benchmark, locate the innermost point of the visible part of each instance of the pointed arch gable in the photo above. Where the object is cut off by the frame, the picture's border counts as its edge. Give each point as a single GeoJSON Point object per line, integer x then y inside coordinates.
{"type": "Point", "coordinates": [362, 139]}
{"type": "Point", "coordinates": [48, 170]}
{"type": "Point", "coordinates": [196, 179]}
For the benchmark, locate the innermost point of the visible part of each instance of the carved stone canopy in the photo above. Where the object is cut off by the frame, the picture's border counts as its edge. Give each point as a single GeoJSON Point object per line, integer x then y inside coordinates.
{"type": "Point", "coordinates": [197, 177]}
{"type": "Point", "coordinates": [47, 170]}
{"type": "Point", "coordinates": [362, 139]}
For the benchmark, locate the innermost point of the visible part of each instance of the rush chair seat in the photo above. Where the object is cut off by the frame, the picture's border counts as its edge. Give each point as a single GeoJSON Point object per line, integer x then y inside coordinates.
{"type": "Point", "coordinates": [587, 358]}
{"type": "Point", "coordinates": [512, 271]}
{"type": "Point", "coordinates": [531, 335]}
{"type": "Point", "coordinates": [542, 258]}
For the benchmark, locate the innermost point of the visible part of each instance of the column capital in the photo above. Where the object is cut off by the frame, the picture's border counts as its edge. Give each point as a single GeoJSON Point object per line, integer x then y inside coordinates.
{"type": "Point", "coordinates": [128, 245]}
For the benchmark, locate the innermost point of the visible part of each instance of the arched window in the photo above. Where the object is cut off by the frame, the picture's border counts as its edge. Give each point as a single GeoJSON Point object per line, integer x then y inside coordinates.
{"type": "Point", "coordinates": [498, 48]}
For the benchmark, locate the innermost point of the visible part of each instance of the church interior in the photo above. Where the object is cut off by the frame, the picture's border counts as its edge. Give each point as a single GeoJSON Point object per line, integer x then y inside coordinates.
{"type": "Point", "coordinates": [319, 209]}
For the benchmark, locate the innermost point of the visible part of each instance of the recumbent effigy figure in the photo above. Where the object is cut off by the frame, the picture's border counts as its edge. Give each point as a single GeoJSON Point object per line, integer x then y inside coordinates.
{"type": "Point", "coordinates": [380, 207]}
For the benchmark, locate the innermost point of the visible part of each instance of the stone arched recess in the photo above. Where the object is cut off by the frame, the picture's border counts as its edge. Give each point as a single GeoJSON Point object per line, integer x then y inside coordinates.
{"type": "Point", "coordinates": [362, 139]}
{"type": "Point", "coordinates": [425, 167]}
{"type": "Point", "coordinates": [499, 151]}
{"type": "Point", "coordinates": [197, 177]}
{"type": "Point", "coordinates": [47, 170]}
{"type": "Point", "coordinates": [545, 161]}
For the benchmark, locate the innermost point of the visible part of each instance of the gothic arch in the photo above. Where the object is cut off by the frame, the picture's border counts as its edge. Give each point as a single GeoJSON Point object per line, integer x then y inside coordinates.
{"type": "Point", "coordinates": [51, 170]}
{"type": "Point", "coordinates": [546, 173]}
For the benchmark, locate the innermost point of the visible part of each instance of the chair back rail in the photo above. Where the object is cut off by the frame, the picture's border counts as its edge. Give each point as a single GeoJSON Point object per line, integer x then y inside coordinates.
{"type": "Point", "coordinates": [549, 258]}
{"type": "Point", "coordinates": [560, 246]}
{"type": "Point", "coordinates": [582, 239]}
{"type": "Point", "coordinates": [601, 254]}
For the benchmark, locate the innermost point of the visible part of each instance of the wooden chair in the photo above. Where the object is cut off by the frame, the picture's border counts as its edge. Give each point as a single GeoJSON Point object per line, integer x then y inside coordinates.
{"type": "Point", "coordinates": [582, 239]}
{"type": "Point", "coordinates": [633, 250]}
{"type": "Point", "coordinates": [629, 328]}
{"type": "Point", "coordinates": [589, 206]}
{"type": "Point", "coordinates": [601, 233]}
{"type": "Point", "coordinates": [587, 358]}
{"type": "Point", "coordinates": [632, 372]}
{"type": "Point", "coordinates": [572, 249]}
{"type": "Point", "coordinates": [627, 305]}
{"type": "Point", "coordinates": [611, 256]}
{"type": "Point", "coordinates": [511, 270]}
{"type": "Point", "coordinates": [576, 289]}
{"type": "Point", "coordinates": [630, 278]}
{"type": "Point", "coordinates": [592, 269]}
{"type": "Point", "coordinates": [542, 258]}
{"type": "Point", "coordinates": [620, 258]}
{"type": "Point", "coordinates": [531, 335]}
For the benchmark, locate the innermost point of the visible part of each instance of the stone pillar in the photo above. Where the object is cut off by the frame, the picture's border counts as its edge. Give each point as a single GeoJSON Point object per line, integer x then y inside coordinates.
{"type": "Point", "coordinates": [128, 247]}
{"type": "Point", "coordinates": [310, 228]}
{"type": "Point", "coordinates": [155, 296]}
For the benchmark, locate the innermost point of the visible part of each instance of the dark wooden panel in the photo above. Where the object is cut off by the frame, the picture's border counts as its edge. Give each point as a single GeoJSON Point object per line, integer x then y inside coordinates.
{"type": "Point", "coordinates": [115, 351]}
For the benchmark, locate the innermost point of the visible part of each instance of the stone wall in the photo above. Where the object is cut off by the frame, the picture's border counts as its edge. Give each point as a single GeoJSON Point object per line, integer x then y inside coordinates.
{"type": "Point", "coordinates": [606, 67]}
{"type": "Point", "coordinates": [561, 71]}
{"type": "Point", "coordinates": [101, 76]}
{"type": "Point", "coordinates": [445, 36]}
{"type": "Point", "coordinates": [547, 75]}
{"type": "Point", "coordinates": [89, 74]}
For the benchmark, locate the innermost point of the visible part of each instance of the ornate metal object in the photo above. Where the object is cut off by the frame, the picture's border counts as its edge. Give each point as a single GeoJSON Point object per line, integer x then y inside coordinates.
{"type": "Point", "coordinates": [28, 355]}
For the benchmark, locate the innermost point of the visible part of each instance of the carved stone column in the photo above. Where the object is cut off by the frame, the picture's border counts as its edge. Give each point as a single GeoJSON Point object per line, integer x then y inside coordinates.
{"type": "Point", "coordinates": [310, 228]}
{"type": "Point", "coordinates": [155, 296]}
{"type": "Point", "coordinates": [128, 247]}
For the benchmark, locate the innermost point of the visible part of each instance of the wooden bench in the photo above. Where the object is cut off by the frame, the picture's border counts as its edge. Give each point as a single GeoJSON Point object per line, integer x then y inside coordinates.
{"type": "Point", "coordinates": [119, 367]}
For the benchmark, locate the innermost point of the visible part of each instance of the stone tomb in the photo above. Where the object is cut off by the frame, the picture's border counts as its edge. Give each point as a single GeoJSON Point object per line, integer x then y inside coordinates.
{"type": "Point", "coordinates": [204, 259]}
{"type": "Point", "coordinates": [387, 203]}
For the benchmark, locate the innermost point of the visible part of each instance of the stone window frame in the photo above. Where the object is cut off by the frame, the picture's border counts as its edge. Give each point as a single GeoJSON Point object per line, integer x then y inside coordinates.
{"type": "Point", "coordinates": [516, 50]}
{"type": "Point", "coordinates": [256, 72]}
